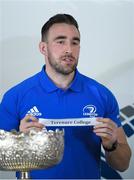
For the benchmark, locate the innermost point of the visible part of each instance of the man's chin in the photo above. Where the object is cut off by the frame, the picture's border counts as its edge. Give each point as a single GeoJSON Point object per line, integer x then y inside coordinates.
{"type": "Point", "coordinates": [66, 71]}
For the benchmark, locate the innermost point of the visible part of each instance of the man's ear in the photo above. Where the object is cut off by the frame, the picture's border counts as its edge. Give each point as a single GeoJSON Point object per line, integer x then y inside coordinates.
{"type": "Point", "coordinates": [43, 48]}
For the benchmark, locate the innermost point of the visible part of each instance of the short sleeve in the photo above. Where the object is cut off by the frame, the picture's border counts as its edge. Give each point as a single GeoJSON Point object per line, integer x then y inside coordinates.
{"type": "Point", "coordinates": [8, 112]}
{"type": "Point", "coordinates": [112, 109]}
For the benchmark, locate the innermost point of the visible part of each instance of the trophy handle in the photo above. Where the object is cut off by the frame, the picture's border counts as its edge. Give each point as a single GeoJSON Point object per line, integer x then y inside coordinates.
{"type": "Point", "coordinates": [24, 175]}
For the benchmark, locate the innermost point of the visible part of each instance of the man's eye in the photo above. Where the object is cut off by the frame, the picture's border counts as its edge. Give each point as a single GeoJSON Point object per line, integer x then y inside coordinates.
{"type": "Point", "coordinates": [75, 43]}
{"type": "Point", "coordinates": [60, 42]}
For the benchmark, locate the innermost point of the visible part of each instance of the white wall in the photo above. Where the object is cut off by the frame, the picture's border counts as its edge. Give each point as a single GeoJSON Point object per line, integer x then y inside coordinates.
{"type": "Point", "coordinates": [0, 53]}
{"type": "Point", "coordinates": [106, 29]}
{"type": "Point", "coordinates": [107, 44]}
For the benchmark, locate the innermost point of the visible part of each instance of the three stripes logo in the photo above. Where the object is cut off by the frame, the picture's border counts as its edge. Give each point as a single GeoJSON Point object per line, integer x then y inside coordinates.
{"type": "Point", "coordinates": [34, 112]}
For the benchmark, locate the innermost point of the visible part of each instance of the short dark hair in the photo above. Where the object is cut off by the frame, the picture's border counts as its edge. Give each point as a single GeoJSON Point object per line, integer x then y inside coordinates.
{"type": "Point", "coordinates": [58, 18]}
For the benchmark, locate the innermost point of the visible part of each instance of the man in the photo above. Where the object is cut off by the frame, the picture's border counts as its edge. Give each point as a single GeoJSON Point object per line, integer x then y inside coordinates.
{"type": "Point", "coordinates": [59, 91]}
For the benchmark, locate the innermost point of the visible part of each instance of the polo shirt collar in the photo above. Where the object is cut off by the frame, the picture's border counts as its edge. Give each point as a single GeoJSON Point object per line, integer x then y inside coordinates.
{"type": "Point", "coordinates": [49, 86]}
{"type": "Point", "coordinates": [76, 84]}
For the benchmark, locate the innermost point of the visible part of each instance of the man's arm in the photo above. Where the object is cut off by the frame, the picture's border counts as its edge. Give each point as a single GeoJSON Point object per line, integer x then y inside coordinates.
{"type": "Point", "coordinates": [109, 132]}
{"type": "Point", "coordinates": [120, 157]}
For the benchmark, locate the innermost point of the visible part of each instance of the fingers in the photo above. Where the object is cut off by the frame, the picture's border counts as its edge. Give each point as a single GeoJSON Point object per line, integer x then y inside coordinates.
{"type": "Point", "coordinates": [29, 122]}
{"type": "Point", "coordinates": [106, 129]}
{"type": "Point", "coordinates": [106, 123]}
{"type": "Point", "coordinates": [104, 133]}
{"type": "Point", "coordinates": [29, 118]}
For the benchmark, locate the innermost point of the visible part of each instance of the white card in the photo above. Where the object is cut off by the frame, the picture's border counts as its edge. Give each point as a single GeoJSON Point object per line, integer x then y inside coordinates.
{"type": "Point", "coordinates": [69, 122]}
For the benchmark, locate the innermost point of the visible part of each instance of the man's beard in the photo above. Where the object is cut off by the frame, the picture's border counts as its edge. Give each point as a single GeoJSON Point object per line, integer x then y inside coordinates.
{"type": "Point", "coordinates": [61, 68]}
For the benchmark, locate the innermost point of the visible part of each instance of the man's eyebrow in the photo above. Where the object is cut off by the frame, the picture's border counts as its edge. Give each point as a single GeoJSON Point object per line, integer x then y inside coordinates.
{"type": "Point", "coordinates": [60, 37]}
{"type": "Point", "coordinates": [76, 39]}
{"type": "Point", "coordinates": [64, 37]}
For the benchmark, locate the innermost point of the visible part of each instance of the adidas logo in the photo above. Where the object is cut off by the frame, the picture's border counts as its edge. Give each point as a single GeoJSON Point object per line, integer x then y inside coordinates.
{"type": "Point", "coordinates": [34, 111]}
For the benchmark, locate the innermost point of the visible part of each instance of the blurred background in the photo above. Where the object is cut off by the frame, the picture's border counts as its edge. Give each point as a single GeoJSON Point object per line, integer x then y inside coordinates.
{"type": "Point", "coordinates": [107, 51]}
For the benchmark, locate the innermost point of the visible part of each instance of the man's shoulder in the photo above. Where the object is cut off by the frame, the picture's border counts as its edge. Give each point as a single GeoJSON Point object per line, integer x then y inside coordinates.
{"type": "Point", "coordinates": [90, 81]}
{"type": "Point", "coordinates": [99, 90]}
{"type": "Point", "coordinates": [94, 84]}
{"type": "Point", "coordinates": [24, 86]}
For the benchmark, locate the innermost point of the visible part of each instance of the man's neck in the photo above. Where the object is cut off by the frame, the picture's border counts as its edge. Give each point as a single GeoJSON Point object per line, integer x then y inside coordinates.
{"type": "Point", "coordinates": [60, 80]}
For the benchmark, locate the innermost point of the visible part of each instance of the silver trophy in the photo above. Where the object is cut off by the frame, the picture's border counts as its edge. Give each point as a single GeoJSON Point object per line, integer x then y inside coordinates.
{"type": "Point", "coordinates": [33, 150]}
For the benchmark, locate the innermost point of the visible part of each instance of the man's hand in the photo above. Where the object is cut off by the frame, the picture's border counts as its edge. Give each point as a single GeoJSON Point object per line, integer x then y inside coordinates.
{"type": "Point", "coordinates": [29, 122]}
{"type": "Point", "coordinates": [107, 130]}
{"type": "Point", "coordinates": [109, 133]}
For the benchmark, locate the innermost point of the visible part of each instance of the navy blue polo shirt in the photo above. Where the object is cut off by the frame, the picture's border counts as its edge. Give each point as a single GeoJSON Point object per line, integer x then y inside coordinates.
{"type": "Point", "coordinates": [85, 97]}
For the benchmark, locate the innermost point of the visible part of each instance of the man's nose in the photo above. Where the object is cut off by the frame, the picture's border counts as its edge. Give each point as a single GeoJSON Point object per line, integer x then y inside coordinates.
{"type": "Point", "coordinates": [68, 48]}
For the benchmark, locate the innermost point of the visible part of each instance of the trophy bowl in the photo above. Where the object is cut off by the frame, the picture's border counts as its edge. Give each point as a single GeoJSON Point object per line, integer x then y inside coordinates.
{"type": "Point", "coordinates": [32, 150]}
